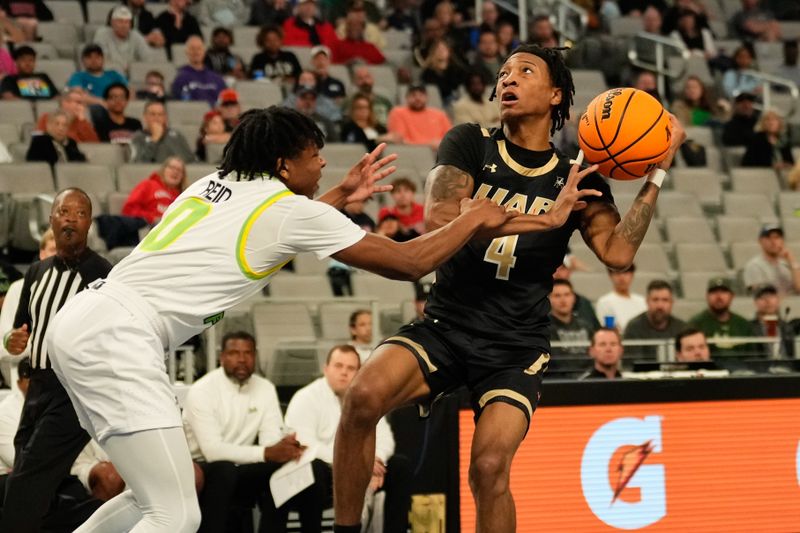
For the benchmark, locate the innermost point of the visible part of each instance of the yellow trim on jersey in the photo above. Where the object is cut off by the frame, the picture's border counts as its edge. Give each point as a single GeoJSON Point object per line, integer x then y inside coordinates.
{"type": "Point", "coordinates": [421, 351]}
{"type": "Point", "coordinates": [485, 132]}
{"type": "Point", "coordinates": [538, 364]}
{"type": "Point", "coordinates": [241, 256]}
{"type": "Point", "coordinates": [506, 393]}
{"type": "Point", "coordinates": [525, 171]}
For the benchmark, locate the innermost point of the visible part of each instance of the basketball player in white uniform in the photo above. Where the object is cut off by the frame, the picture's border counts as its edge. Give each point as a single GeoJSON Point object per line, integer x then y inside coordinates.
{"type": "Point", "coordinates": [218, 244]}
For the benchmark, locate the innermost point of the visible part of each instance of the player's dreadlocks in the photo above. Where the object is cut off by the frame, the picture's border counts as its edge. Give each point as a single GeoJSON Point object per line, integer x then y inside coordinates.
{"type": "Point", "coordinates": [560, 76]}
{"type": "Point", "coordinates": [265, 135]}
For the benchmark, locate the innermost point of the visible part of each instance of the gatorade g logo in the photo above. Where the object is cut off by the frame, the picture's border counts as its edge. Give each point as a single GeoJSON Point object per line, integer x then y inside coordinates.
{"type": "Point", "coordinates": [607, 104]}
{"type": "Point", "coordinates": [621, 488]}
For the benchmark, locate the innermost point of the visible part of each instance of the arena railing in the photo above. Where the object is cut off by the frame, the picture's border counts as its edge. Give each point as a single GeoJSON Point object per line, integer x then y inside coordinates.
{"type": "Point", "coordinates": [768, 83]}
{"type": "Point", "coordinates": [663, 46]}
{"type": "Point", "coordinates": [571, 20]}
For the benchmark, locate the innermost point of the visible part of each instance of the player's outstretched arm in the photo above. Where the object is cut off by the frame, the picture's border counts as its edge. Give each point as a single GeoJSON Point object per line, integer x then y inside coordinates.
{"type": "Point", "coordinates": [445, 187]}
{"type": "Point", "coordinates": [616, 240]}
{"type": "Point", "coordinates": [413, 259]}
{"type": "Point", "coordinates": [361, 181]}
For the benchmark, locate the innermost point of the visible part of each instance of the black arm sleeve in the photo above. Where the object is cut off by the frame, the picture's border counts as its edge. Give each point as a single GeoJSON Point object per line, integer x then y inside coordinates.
{"type": "Point", "coordinates": [462, 148]}
{"type": "Point", "coordinates": [23, 315]}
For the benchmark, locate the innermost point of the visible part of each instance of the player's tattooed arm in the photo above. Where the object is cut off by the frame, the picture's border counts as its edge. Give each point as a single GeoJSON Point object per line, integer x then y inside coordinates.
{"type": "Point", "coordinates": [445, 187]}
{"type": "Point", "coordinates": [613, 239]}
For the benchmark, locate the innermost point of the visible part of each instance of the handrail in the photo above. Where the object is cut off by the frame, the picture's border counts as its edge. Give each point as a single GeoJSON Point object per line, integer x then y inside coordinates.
{"type": "Point", "coordinates": [659, 66]}
{"type": "Point", "coordinates": [567, 10]}
{"type": "Point", "coordinates": [767, 82]}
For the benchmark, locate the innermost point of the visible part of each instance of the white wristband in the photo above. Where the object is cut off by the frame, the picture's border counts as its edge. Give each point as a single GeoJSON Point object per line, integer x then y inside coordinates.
{"type": "Point", "coordinates": [657, 176]}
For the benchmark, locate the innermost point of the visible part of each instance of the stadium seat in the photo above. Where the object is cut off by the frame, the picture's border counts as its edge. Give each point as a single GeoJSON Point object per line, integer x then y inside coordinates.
{"type": "Point", "coordinates": [755, 180]}
{"type": "Point", "coordinates": [642, 279]}
{"type": "Point", "coordinates": [59, 70]}
{"type": "Point", "coordinates": [334, 319]}
{"type": "Point", "coordinates": [115, 201]}
{"type": "Point", "coordinates": [9, 133]}
{"type": "Point", "coordinates": [43, 107]}
{"type": "Point", "coordinates": [589, 81]}
{"type": "Point", "coordinates": [113, 155]}
{"type": "Point", "coordinates": [744, 306]}
{"type": "Point", "coordinates": [286, 285]}
{"type": "Point", "coordinates": [342, 155]}
{"type": "Point", "coordinates": [43, 51]}
{"type": "Point", "coordinates": [689, 230]}
{"type": "Point", "coordinates": [214, 153]}
{"type": "Point", "coordinates": [94, 179]}
{"type": "Point", "coordinates": [389, 291]}
{"type": "Point", "coordinates": [385, 79]}
{"type": "Point", "coordinates": [591, 285]}
{"type": "Point", "coordinates": [397, 39]}
{"type": "Point", "coordinates": [789, 204]}
{"type": "Point", "coordinates": [418, 159]}
{"type": "Point", "coordinates": [26, 178]}
{"type": "Point", "coordinates": [18, 112]}
{"type": "Point", "coordinates": [341, 73]}
{"type": "Point", "coordinates": [676, 204]}
{"type": "Point", "coordinates": [245, 36]}
{"type": "Point", "coordinates": [624, 201]}
{"type": "Point", "coordinates": [66, 11]}
{"type": "Point", "coordinates": [738, 229]}
{"type": "Point", "coordinates": [702, 183]}
{"type": "Point", "coordinates": [245, 50]}
{"type": "Point", "coordinates": [747, 205]}
{"type": "Point", "coordinates": [280, 322]}
{"type": "Point", "coordinates": [189, 112]}
{"type": "Point", "coordinates": [732, 155]}
{"type": "Point", "coordinates": [195, 171]}
{"type": "Point", "coordinates": [700, 258]}
{"type": "Point", "coordinates": [135, 109]}
{"type": "Point", "coordinates": [652, 258]}
{"type": "Point", "coordinates": [742, 252]}
{"type": "Point", "coordinates": [62, 35]}
{"type": "Point", "coordinates": [190, 132]}
{"type": "Point", "coordinates": [97, 11]}
{"type": "Point", "coordinates": [303, 54]}
{"type": "Point", "coordinates": [130, 174]}
{"type": "Point", "coordinates": [178, 51]}
{"type": "Point", "coordinates": [700, 134]}
{"type": "Point", "coordinates": [308, 264]}
{"type": "Point", "coordinates": [791, 229]}
{"type": "Point", "coordinates": [626, 26]}
{"type": "Point", "coordinates": [685, 309]}
{"type": "Point", "coordinates": [259, 93]}
{"type": "Point", "coordinates": [694, 284]}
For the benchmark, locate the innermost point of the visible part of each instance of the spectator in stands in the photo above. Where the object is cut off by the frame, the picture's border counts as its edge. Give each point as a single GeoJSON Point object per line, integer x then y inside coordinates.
{"type": "Point", "coordinates": [775, 264]}
{"type": "Point", "coordinates": [144, 22]}
{"type": "Point", "coordinates": [212, 131]}
{"type": "Point", "coordinates": [542, 32]}
{"type": "Point", "coordinates": [646, 80]}
{"type": "Point", "coordinates": [361, 126]}
{"type": "Point", "coordinates": [583, 306]}
{"type": "Point", "coordinates": [490, 19]}
{"type": "Point", "coordinates": [674, 12]}
{"type": "Point", "coordinates": [325, 106]}
{"type": "Point", "coordinates": [354, 46]}
{"type": "Point", "coordinates": [695, 107]}
{"type": "Point", "coordinates": [269, 12]}
{"type": "Point", "coordinates": [473, 106]}
{"type": "Point", "coordinates": [487, 57]}
{"type": "Point", "coordinates": [442, 71]}
{"type": "Point", "coordinates": [789, 69]}
{"type": "Point", "coordinates": [26, 15]}
{"type": "Point", "coordinates": [10, 411]}
{"type": "Point", "coordinates": [306, 29]}
{"type": "Point", "coordinates": [226, 13]}
{"type": "Point", "coordinates": [409, 213]}
{"type": "Point", "coordinates": [96, 473]}
{"type": "Point", "coordinates": [94, 78]}
{"type": "Point", "coordinates": [154, 88]}
{"type": "Point", "coordinates": [691, 345]}
{"type": "Point", "coordinates": [219, 57]}
{"type": "Point", "coordinates": [176, 24]}
{"type": "Point", "coordinates": [121, 43]}
{"type": "Point", "coordinates": [355, 212]}
{"type": "Point", "coordinates": [506, 37]}
{"type": "Point", "coordinates": [606, 353]}
{"type": "Point", "coordinates": [416, 123]}
{"type": "Point", "coordinates": [361, 333]}
{"type": "Point", "coordinates": [635, 8]}
{"type": "Point", "coordinates": [754, 23]}
{"type": "Point", "coordinates": [449, 19]}
{"type": "Point", "coordinates": [9, 33]}
{"type": "Point", "coordinates": [229, 108]}
{"type": "Point", "coordinates": [53, 145]}
{"type": "Point", "coordinates": [306, 100]}
{"type": "Point", "coordinates": [113, 125]}
{"type": "Point", "coordinates": [327, 85]}
{"type": "Point", "coordinates": [768, 321]}
{"type": "Point", "coordinates": [696, 38]}
{"type": "Point", "coordinates": [151, 197]}
{"type": "Point", "coordinates": [565, 325]}
{"type": "Point", "coordinates": [357, 13]}
{"type": "Point", "coordinates": [770, 146]}
{"type": "Point", "coordinates": [195, 81]}
{"type": "Point", "coordinates": [233, 423]}
{"type": "Point", "coordinates": [365, 83]}
{"type": "Point", "coordinates": [718, 321]}
{"type": "Point", "coordinates": [735, 81]}
{"type": "Point", "coordinates": [652, 20]}
{"type": "Point", "coordinates": [741, 127]}
{"type": "Point", "coordinates": [404, 16]}
{"type": "Point", "coordinates": [657, 322]}
{"type": "Point", "coordinates": [26, 83]}
{"type": "Point", "coordinates": [273, 63]}
{"type": "Point", "coordinates": [314, 412]}
{"type": "Point", "coordinates": [432, 31]}
{"type": "Point", "coordinates": [157, 141]}
{"type": "Point", "coordinates": [80, 129]}
{"type": "Point", "coordinates": [620, 304]}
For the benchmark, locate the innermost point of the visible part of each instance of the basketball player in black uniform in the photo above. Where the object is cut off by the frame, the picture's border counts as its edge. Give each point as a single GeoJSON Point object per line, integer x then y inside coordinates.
{"type": "Point", "coordinates": [486, 322]}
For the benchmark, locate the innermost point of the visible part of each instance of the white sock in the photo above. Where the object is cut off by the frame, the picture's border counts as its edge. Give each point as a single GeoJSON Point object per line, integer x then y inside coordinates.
{"type": "Point", "coordinates": [160, 496]}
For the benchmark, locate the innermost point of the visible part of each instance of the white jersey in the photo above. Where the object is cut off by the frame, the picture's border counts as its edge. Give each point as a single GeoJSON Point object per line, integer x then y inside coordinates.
{"type": "Point", "coordinates": [218, 244]}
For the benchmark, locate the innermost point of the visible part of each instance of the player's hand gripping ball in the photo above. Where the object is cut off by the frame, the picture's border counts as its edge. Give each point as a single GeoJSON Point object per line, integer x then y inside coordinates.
{"type": "Point", "coordinates": [626, 132]}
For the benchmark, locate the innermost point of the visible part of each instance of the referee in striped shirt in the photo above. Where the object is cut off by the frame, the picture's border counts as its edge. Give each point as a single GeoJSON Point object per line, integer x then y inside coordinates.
{"type": "Point", "coordinates": [49, 437]}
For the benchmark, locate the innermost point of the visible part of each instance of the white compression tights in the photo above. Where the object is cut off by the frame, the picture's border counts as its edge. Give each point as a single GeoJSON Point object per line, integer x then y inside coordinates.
{"type": "Point", "coordinates": [160, 495]}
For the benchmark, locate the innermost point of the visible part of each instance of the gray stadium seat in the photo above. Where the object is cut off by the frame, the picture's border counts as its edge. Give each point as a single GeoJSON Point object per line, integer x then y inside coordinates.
{"type": "Point", "coordinates": [259, 93]}
{"type": "Point", "coordinates": [342, 155]}
{"type": "Point", "coordinates": [791, 228]}
{"type": "Point", "coordinates": [700, 134]}
{"type": "Point", "coordinates": [59, 70]}
{"type": "Point", "coordinates": [308, 264]}
{"type": "Point", "coordinates": [742, 252]}
{"type": "Point", "coordinates": [190, 132]}
{"type": "Point", "coordinates": [190, 112]}
{"type": "Point", "coordinates": [694, 284]}
{"type": "Point", "coordinates": [624, 201]}
{"type": "Point", "coordinates": [385, 79]}
{"type": "Point", "coordinates": [389, 291]}
{"type": "Point", "coordinates": [397, 39]}
{"type": "Point", "coordinates": [245, 50]}
{"type": "Point", "coordinates": [689, 230]}
{"type": "Point", "coordinates": [26, 178]}
{"type": "Point", "coordinates": [700, 258]}
{"type": "Point", "coordinates": [675, 204]}
{"type": "Point", "coordinates": [398, 58]}
{"type": "Point", "coordinates": [9, 133]}
{"type": "Point", "coordinates": [135, 109]}
{"type": "Point", "coordinates": [702, 183]}
{"type": "Point", "coordinates": [286, 285]}
{"type": "Point", "coordinates": [591, 81]}
{"type": "Point", "coordinates": [744, 306]}
{"type": "Point", "coordinates": [591, 285]}
{"type": "Point", "coordinates": [789, 204]}
{"type": "Point", "coordinates": [631, 187]}
{"type": "Point", "coordinates": [732, 156]}
{"type": "Point", "coordinates": [66, 11]}
{"type": "Point", "coordinates": [130, 174]}
{"type": "Point", "coordinates": [115, 201]}
{"type": "Point", "coordinates": [195, 171]}
{"type": "Point", "coordinates": [280, 322]}
{"type": "Point", "coordinates": [626, 26]}
{"type": "Point", "coordinates": [643, 278]}
{"type": "Point", "coordinates": [62, 35]}
{"type": "Point", "coordinates": [43, 51]}
{"type": "Point", "coordinates": [334, 319]}
{"type": "Point", "coordinates": [178, 51]}
{"type": "Point", "coordinates": [214, 153]}
{"type": "Point", "coordinates": [104, 153]}
{"type": "Point", "coordinates": [737, 229]}
{"type": "Point", "coordinates": [419, 159]}
{"type": "Point", "coordinates": [97, 12]}
{"type": "Point", "coordinates": [755, 180]}
{"type": "Point", "coordinates": [245, 36]}
{"type": "Point", "coordinates": [93, 179]}
{"type": "Point", "coordinates": [789, 29]}
{"type": "Point", "coordinates": [747, 205]}
{"type": "Point", "coordinates": [43, 107]}
{"type": "Point", "coordinates": [17, 112]}
{"type": "Point", "coordinates": [303, 54]}
{"type": "Point", "coordinates": [341, 73]}
{"type": "Point", "coordinates": [686, 309]}
{"type": "Point", "coordinates": [652, 258]}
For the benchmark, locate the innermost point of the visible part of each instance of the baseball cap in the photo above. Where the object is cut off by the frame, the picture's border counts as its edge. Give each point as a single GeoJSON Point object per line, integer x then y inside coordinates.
{"type": "Point", "coordinates": [228, 96]}
{"type": "Point", "coordinates": [121, 13]}
{"type": "Point", "coordinates": [320, 48]}
{"type": "Point", "coordinates": [303, 90]}
{"type": "Point", "coordinates": [766, 229]}
{"type": "Point", "coordinates": [761, 290]}
{"type": "Point", "coordinates": [719, 284]}
{"type": "Point", "coordinates": [745, 96]}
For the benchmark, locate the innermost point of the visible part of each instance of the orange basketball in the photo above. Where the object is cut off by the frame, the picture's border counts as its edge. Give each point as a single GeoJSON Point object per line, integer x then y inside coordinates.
{"type": "Point", "coordinates": [626, 132]}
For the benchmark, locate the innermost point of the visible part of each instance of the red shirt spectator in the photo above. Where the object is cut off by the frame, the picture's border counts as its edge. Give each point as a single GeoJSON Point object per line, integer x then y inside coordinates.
{"type": "Point", "coordinates": [415, 123]}
{"type": "Point", "coordinates": [151, 197]}
{"type": "Point", "coordinates": [409, 213]}
{"type": "Point", "coordinates": [305, 29]}
{"type": "Point", "coordinates": [354, 45]}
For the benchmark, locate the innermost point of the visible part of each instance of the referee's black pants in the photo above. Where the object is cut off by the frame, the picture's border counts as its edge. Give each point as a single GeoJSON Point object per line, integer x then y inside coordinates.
{"type": "Point", "coordinates": [48, 441]}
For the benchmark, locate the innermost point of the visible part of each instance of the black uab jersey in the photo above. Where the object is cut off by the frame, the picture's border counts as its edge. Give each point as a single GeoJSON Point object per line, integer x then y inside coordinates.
{"type": "Point", "coordinates": [499, 289]}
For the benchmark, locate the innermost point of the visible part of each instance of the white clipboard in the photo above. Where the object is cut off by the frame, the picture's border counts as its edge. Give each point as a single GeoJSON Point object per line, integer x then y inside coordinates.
{"type": "Point", "coordinates": [293, 477]}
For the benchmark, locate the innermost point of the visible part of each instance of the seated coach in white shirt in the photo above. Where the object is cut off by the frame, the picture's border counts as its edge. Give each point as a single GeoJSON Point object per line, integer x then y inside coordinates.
{"type": "Point", "coordinates": [314, 413]}
{"type": "Point", "coordinates": [234, 428]}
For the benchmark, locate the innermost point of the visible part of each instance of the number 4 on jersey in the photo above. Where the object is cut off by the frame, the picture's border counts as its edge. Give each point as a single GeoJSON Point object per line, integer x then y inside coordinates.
{"type": "Point", "coordinates": [501, 253]}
